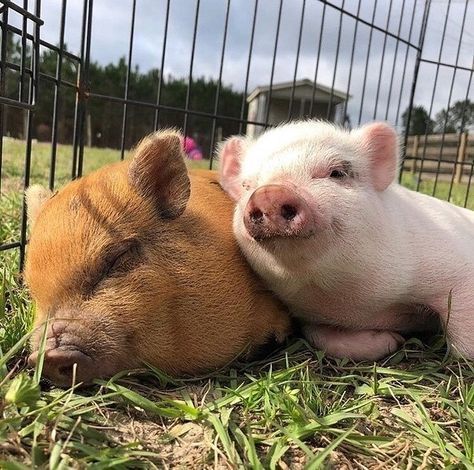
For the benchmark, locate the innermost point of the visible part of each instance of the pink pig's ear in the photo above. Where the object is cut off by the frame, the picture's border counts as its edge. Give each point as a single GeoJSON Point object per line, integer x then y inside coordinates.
{"type": "Point", "coordinates": [380, 141]}
{"type": "Point", "coordinates": [230, 157]}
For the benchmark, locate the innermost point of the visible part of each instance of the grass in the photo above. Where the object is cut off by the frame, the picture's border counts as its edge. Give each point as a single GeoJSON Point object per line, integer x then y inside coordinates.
{"type": "Point", "coordinates": [295, 409]}
{"type": "Point", "coordinates": [14, 154]}
{"type": "Point", "coordinates": [462, 194]}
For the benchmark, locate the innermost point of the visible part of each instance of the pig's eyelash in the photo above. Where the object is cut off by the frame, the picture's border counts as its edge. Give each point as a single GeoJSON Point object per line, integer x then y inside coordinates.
{"type": "Point", "coordinates": [342, 171]}
{"type": "Point", "coordinates": [120, 260]}
{"type": "Point", "coordinates": [338, 174]}
{"type": "Point", "coordinates": [129, 251]}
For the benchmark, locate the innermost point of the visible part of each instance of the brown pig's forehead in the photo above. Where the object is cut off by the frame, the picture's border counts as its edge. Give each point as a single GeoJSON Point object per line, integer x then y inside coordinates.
{"type": "Point", "coordinates": [91, 206]}
{"type": "Point", "coordinates": [77, 227]}
{"type": "Point", "coordinates": [87, 214]}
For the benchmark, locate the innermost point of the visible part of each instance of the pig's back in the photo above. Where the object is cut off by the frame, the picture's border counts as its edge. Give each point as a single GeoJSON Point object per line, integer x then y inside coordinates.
{"type": "Point", "coordinates": [436, 221]}
{"type": "Point", "coordinates": [207, 193]}
{"type": "Point", "coordinates": [438, 236]}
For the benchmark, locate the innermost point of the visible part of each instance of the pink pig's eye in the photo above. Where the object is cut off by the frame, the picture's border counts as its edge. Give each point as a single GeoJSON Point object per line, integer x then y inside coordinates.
{"type": "Point", "coordinates": [342, 171]}
{"type": "Point", "coordinates": [338, 174]}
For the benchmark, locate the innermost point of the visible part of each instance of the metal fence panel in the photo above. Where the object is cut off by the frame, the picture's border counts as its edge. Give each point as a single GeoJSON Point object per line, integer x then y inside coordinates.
{"type": "Point", "coordinates": [347, 60]}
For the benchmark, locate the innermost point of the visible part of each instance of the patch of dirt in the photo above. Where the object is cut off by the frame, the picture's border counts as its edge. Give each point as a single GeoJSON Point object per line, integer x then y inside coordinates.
{"type": "Point", "coordinates": [183, 445]}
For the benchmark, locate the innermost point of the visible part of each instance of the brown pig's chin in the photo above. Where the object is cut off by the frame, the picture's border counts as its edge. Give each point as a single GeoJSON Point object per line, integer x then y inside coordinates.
{"type": "Point", "coordinates": [71, 360]}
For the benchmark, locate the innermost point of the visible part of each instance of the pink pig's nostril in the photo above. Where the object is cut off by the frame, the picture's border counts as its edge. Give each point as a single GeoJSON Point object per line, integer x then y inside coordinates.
{"type": "Point", "coordinates": [256, 216]}
{"type": "Point", "coordinates": [288, 212]}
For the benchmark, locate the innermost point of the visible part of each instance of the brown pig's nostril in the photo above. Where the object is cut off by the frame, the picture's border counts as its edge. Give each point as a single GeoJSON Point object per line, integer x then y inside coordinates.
{"type": "Point", "coordinates": [66, 370]}
{"type": "Point", "coordinates": [288, 212]}
{"type": "Point", "coordinates": [256, 216]}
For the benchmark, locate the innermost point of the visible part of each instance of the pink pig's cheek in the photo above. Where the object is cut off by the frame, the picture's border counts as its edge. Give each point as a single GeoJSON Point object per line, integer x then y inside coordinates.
{"type": "Point", "coordinates": [239, 226]}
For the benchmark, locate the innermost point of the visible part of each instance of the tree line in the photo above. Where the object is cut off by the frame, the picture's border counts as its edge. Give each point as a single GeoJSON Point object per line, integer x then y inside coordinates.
{"type": "Point", "coordinates": [104, 118]}
{"type": "Point", "coordinates": [456, 118]}
{"type": "Point", "coordinates": [103, 126]}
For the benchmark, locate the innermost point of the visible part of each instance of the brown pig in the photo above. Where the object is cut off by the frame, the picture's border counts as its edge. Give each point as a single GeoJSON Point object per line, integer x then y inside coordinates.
{"type": "Point", "coordinates": [136, 263]}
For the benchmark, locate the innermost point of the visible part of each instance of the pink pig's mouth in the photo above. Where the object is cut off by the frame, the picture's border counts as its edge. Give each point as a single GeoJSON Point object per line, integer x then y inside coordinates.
{"type": "Point", "coordinates": [269, 238]}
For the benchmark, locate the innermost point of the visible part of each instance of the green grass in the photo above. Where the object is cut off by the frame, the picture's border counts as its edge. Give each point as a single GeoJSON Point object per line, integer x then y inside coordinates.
{"type": "Point", "coordinates": [14, 155]}
{"type": "Point", "coordinates": [296, 409]}
{"type": "Point", "coordinates": [293, 410]}
{"type": "Point", "coordinates": [461, 193]}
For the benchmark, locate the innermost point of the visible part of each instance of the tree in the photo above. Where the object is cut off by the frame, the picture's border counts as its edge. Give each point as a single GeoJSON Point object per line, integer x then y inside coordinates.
{"type": "Point", "coordinates": [106, 115]}
{"type": "Point", "coordinates": [420, 121]}
{"type": "Point", "coordinates": [457, 117]}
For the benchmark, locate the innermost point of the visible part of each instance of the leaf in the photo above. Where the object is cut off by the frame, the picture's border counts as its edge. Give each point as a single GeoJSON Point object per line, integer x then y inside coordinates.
{"type": "Point", "coordinates": [247, 444]}
{"type": "Point", "coordinates": [11, 465]}
{"type": "Point", "coordinates": [226, 441]}
{"type": "Point", "coordinates": [175, 408]}
{"type": "Point", "coordinates": [23, 391]}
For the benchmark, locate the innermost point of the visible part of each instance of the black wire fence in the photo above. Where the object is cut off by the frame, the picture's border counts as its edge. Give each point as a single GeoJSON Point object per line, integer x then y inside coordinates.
{"type": "Point", "coordinates": [409, 62]}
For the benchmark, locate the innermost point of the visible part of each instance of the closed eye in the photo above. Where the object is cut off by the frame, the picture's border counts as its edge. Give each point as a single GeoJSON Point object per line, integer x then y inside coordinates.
{"type": "Point", "coordinates": [117, 260]}
{"type": "Point", "coordinates": [120, 259]}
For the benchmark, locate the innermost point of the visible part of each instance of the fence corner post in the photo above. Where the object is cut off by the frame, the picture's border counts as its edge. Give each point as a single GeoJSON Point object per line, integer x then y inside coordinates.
{"type": "Point", "coordinates": [414, 151]}
{"type": "Point", "coordinates": [461, 156]}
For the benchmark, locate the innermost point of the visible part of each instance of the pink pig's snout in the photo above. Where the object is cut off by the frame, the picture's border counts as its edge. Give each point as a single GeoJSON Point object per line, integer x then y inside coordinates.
{"type": "Point", "coordinates": [275, 210]}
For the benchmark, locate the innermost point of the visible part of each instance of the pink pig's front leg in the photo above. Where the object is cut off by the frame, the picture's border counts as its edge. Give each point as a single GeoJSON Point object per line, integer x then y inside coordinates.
{"type": "Point", "coordinates": [457, 316]}
{"type": "Point", "coordinates": [358, 345]}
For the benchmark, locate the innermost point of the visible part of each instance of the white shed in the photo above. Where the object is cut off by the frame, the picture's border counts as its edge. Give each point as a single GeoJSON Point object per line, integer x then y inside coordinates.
{"type": "Point", "coordinates": [303, 95]}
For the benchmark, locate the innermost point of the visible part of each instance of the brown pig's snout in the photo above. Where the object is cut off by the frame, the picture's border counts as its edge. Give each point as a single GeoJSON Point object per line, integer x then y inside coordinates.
{"type": "Point", "coordinates": [63, 354]}
{"type": "Point", "coordinates": [59, 365]}
{"type": "Point", "coordinates": [276, 210]}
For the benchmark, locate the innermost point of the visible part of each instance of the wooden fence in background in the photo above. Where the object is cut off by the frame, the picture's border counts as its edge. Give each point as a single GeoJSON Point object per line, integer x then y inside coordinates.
{"type": "Point", "coordinates": [445, 154]}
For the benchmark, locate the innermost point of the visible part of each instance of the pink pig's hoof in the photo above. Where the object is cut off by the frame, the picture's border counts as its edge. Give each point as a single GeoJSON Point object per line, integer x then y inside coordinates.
{"type": "Point", "coordinates": [357, 345]}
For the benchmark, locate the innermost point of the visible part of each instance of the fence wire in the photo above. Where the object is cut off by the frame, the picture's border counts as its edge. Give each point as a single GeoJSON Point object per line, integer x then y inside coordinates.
{"type": "Point", "coordinates": [352, 61]}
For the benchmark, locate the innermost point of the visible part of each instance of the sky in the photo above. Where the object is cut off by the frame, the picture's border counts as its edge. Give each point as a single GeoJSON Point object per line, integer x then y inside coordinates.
{"type": "Point", "coordinates": [384, 64]}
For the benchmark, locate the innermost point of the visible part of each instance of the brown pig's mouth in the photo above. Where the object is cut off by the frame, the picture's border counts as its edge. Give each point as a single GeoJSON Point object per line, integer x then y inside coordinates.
{"type": "Point", "coordinates": [78, 353]}
{"type": "Point", "coordinates": [67, 365]}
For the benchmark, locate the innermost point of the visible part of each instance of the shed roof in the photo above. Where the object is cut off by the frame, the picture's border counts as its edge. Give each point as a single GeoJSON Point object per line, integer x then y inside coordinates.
{"type": "Point", "coordinates": [303, 89]}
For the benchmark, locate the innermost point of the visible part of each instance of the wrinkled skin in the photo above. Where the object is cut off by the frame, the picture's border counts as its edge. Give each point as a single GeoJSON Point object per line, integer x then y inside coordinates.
{"type": "Point", "coordinates": [136, 263]}
{"type": "Point", "coordinates": [360, 259]}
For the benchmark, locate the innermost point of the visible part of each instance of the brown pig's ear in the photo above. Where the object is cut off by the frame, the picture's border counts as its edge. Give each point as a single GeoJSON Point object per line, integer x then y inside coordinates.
{"type": "Point", "coordinates": [158, 171]}
{"type": "Point", "coordinates": [380, 142]}
{"type": "Point", "coordinates": [230, 157]}
{"type": "Point", "coordinates": [36, 195]}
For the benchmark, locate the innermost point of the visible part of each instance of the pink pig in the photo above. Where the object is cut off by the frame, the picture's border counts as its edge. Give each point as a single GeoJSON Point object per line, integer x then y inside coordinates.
{"type": "Point", "coordinates": [360, 259]}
